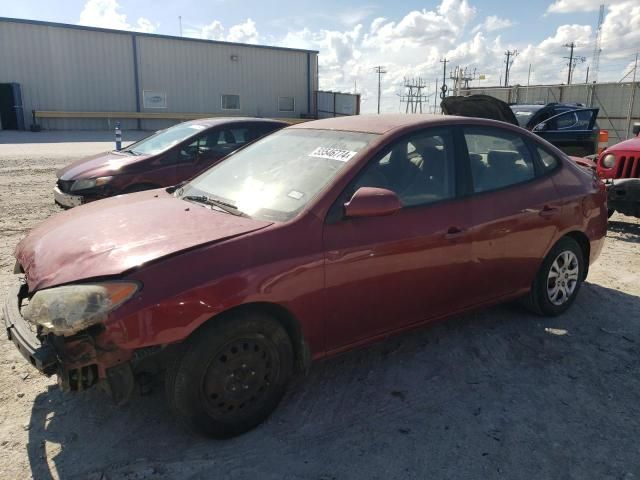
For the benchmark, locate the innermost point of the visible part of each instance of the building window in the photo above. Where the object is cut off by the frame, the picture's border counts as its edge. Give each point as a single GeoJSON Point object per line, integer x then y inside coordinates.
{"type": "Point", "coordinates": [286, 104]}
{"type": "Point", "coordinates": [230, 102]}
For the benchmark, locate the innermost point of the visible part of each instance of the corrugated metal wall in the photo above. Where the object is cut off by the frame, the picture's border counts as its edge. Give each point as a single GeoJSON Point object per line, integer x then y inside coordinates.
{"type": "Point", "coordinates": [65, 68]}
{"type": "Point", "coordinates": [334, 104]}
{"type": "Point", "coordinates": [611, 98]}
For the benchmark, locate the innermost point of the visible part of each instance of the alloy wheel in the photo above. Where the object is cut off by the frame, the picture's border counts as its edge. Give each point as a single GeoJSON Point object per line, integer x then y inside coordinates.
{"type": "Point", "coordinates": [563, 277]}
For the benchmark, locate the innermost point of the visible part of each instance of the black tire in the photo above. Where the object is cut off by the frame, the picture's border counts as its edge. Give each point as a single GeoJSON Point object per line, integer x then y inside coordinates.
{"type": "Point", "coordinates": [230, 375]}
{"type": "Point", "coordinates": [610, 212]}
{"type": "Point", "coordinates": [539, 300]}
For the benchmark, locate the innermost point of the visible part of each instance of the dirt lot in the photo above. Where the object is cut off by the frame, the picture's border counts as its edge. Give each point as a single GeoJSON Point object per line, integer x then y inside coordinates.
{"type": "Point", "coordinates": [495, 394]}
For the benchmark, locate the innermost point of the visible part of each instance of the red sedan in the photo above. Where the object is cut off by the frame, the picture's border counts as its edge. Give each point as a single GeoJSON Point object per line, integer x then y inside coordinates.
{"type": "Point", "coordinates": [165, 158]}
{"type": "Point", "coordinates": [317, 239]}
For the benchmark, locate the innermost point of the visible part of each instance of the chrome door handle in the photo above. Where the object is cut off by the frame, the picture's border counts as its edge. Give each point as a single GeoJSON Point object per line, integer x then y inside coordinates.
{"type": "Point", "coordinates": [548, 211]}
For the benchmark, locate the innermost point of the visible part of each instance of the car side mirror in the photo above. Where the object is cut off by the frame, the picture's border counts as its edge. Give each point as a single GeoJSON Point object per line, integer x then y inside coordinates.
{"type": "Point", "coordinates": [541, 127]}
{"type": "Point", "coordinates": [636, 129]}
{"type": "Point", "coordinates": [372, 202]}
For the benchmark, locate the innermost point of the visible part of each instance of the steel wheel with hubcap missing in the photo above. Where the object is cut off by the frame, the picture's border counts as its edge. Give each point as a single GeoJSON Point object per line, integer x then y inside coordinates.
{"type": "Point", "coordinates": [230, 374]}
{"type": "Point", "coordinates": [563, 277]}
{"type": "Point", "coordinates": [239, 375]}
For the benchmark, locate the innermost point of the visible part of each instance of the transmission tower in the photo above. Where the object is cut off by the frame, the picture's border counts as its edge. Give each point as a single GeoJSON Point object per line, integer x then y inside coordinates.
{"type": "Point", "coordinates": [413, 97]}
{"type": "Point", "coordinates": [595, 60]}
{"type": "Point", "coordinates": [461, 78]}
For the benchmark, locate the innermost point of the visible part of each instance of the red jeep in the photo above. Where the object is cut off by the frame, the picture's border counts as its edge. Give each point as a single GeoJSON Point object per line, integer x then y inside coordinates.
{"type": "Point", "coordinates": [619, 166]}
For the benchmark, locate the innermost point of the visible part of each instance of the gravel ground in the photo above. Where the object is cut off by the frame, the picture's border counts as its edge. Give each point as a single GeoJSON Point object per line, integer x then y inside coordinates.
{"type": "Point", "coordinates": [494, 394]}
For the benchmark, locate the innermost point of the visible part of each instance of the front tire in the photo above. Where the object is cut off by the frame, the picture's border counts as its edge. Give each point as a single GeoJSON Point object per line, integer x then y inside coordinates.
{"type": "Point", "coordinates": [230, 375]}
{"type": "Point", "coordinates": [559, 279]}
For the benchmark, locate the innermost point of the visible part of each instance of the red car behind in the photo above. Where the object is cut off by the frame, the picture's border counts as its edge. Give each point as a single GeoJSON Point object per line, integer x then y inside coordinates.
{"type": "Point", "coordinates": [317, 239]}
{"type": "Point", "coordinates": [165, 158]}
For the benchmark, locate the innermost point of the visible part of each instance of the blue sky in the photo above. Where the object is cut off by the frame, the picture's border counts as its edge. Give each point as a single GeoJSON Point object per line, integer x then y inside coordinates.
{"type": "Point", "coordinates": [275, 18]}
{"type": "Point", "coordinates": [408, 37]}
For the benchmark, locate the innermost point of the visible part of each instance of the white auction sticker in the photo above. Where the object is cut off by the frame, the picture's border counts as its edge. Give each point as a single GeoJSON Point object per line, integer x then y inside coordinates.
{"type": "Point", "coordinates": [295, 194]}
{"type": "Point", "coordinates": [332, 154]}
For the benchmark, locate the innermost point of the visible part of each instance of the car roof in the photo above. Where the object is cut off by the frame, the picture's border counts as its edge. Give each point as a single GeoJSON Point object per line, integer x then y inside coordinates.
{"type": "Point", "coordinates": [380, 124]}
{"type": "Point", "coordinates": [217, 121]}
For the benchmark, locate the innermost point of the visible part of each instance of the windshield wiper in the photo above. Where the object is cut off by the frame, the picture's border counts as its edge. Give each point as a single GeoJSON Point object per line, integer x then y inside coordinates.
{"type": "Point", "coordinates": [214, 202]}
{"type": "Point", "coordinates": [132, 152]}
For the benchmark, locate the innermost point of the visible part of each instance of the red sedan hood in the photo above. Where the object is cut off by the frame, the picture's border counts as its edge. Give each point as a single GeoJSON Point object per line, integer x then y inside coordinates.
{"type": "Point", "coordinates": [100, 165]}
{"type": "Point", "coordinates": [111, 236]}
{"type": "Point", "coordinates": [584, 162]}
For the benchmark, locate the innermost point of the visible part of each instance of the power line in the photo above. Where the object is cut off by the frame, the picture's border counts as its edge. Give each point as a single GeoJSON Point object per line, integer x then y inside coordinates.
{"type": "Point", "coordinates": [380, 70]}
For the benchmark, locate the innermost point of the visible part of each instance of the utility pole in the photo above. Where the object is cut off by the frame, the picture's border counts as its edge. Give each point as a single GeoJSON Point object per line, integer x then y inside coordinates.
{"type": "Point", "coordinates": [443, 88]}
{"type": "Point", "coordinates": [528, 83]}
{"type": "Point", "coordinates": [380, 70]}
{"type": "Point", "coordinates": [632, 97]}
{"type": "Point", "coordinates": [586, 80]}
{"type": "Point", "coordinates": [509, 54]}
{"type": "Point", "coordinates": [435, 98]}
{"type": "Point", "coordinates": [180, 23]}
{"type": "Point", "coordinates": [571, 46]}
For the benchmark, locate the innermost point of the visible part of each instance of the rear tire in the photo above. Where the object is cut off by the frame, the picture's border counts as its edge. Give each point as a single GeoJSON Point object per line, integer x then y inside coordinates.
{"type": "Point", "coordinates": [558, 281]}
{"type": "Point", "coordinates": [230, 375]}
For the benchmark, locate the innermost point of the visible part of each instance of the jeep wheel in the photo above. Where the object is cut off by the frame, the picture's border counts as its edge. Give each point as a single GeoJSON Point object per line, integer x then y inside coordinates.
{"type": "Point", "coordinates": [558, 281]}
{"type": "Point", "coordinates": [230, 375]}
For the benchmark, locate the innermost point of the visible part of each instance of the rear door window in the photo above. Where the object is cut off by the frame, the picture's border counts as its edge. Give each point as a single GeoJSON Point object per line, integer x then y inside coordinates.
{"type": "Point", "coordinates": [497, 158]}
{"type": "Point", "coordinates": [572, 120]}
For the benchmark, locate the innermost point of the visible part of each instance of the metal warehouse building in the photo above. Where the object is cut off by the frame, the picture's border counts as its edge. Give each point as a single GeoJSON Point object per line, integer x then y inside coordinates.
{"type": "Point", "coordinates": [78, 77]}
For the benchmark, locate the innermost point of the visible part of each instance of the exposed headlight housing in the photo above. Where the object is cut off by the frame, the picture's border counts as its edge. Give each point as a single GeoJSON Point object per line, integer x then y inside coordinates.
{"type": "Point", "coordinates": [87, 183]}
{"type": "Point", "coordinates": [69, 309]}
{"type": "Point", "coordinates": [609, 160]}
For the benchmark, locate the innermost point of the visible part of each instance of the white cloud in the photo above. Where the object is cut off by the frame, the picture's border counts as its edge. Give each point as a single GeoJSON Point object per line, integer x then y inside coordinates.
{"type": "Point", "coordinates": [245, 32]}
{"type": "Point", "coordinates": [570, 6]}
{"type": "Point", "coordinates": [493, 23]}
{"type": "Point", "coordinates": [621, 30]}
{"type": "Point", "coordinates": [105, 14]}
{"type": "Point", "coordinates": [413, 44]}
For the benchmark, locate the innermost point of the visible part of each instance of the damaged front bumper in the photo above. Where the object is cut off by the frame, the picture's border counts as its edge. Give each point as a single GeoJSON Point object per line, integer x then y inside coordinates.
{"type": "Point", "coordinates": [78, 361]}
{"type": "Point", "coordinates": [22, 334]}
{"type": "Point", "coordinates": [66, 200]}
{"type": "Point", "coordinates": [624, 196]}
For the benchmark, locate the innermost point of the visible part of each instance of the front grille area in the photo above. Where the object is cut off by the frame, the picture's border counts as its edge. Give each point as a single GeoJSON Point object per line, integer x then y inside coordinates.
{"type": "Point", "coordinates": [64, 185]}
{"type": "Point", "coordinates": [628, 167]}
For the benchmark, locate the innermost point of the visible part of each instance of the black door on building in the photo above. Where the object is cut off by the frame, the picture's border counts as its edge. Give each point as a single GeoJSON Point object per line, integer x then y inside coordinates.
{"type": "Point", "coordinates": [11, 114]}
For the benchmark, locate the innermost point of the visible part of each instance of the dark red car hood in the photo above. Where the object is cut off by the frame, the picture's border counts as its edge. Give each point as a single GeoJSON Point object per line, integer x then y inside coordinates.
{"type": "Point", "coordinates": [114, 235]}
{"type": "Point", "coordinates": [100, 165]}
